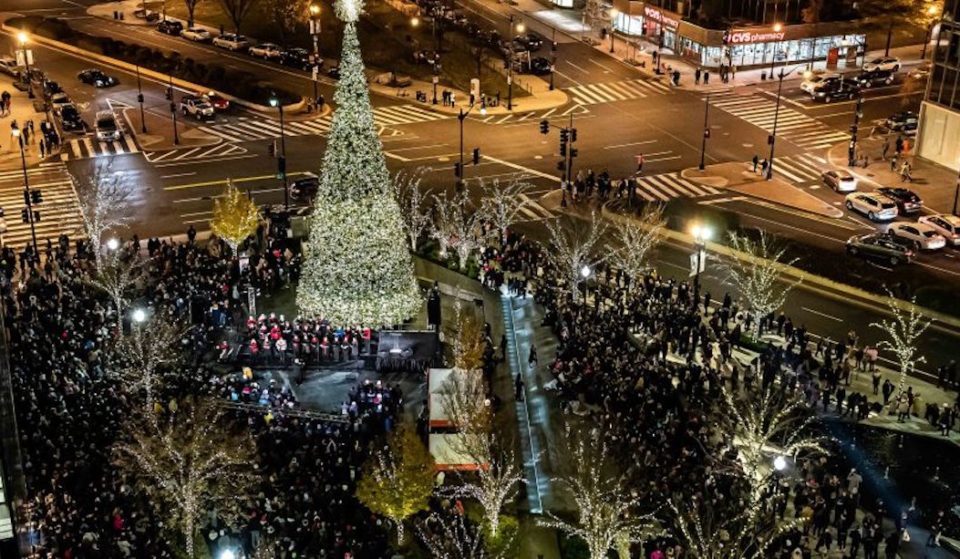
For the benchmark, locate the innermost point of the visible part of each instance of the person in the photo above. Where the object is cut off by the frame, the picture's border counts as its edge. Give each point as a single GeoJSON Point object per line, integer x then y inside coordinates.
{"type": "Point", "coordinates": [532, 359]}
{"type": "Point", "coordinates": [518, 387]}
{"type": "Point", "coordinates": [886, 149]}
{"type": "Point", "coordinates": [640, 163]}
{"type": "Point", "coordinates": [696, 76]}
{"type": "Point", "coordinates": [756, 161]}
{"type": "Point", "coordinates": [905, 172]}
{"type": "Point", "coordinates": [191, 234]}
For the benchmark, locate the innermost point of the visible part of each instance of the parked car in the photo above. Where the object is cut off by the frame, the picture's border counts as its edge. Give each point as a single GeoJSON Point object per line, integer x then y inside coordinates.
{"type": "Point", "coordinates": [814, 81]}
{"type": "Point", "coordinates": [901, 121]}
{"type": "Point", "coordinates": [305, 188]}
{"type": "Point", "coordinates": [839, 181]}
{"type": "Point", "coordinates": [890, 63]}
{"type": "Point", "coordinates": [268, 51]}
{"type": "Point", "coordinates": [918, 235]}
{"type": "Point", "coordinates": [70, 119]}
{"type": "Point", "coordinates": [197, 34]}
{"type": "Point", "coordinates": [107, 129]}
{"type": "Point", "coordinates": [531, 41]}
{"type": "Point", "coordinates": [946, 224]}
{"type": "Point", "coordinates": [878, 246]}
{"type": "Point", "coordinates": [831, 90]}
{"type": "Point", "coordinates": [8, 66]}
{"type": "Point", "coordinates": [170, 27]}
{"type": "Point", "coordinates": [876, 77]}
{"type": "Point", "coordinates": [96, 78]}
{"type": "Point", "coordinates": [58, 100]}
{"type": "Point", "coordinates": [874, 205]}
{"type": "Point", "coordinates": [296, 58]}
{"type": "Point", "coordinates": [232, 41]}
{"type": "Point", "coordinates": [333, 72]}
{"type": "Point", "coordinates": [219, 102]}
{"type": "Point", "coordinates": [471, 29]}
{"type": "Point", "coordinates": [540, 66]}
{"type": "Point", "coordinates": [907, 200]}
{"type": "Point", "coordinates": [50, 88]}
{"type": "Point", "coordinates": [920, 72]}
{"type": "Point", "coordinates": [191, 105]}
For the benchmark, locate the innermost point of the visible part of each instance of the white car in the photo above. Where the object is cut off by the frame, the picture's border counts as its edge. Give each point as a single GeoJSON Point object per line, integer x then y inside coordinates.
{"type": "Point", "coordinates": [107, 129]}
{"type": "Point", "coordinates": [921, 235]}
{"type": "Point", "coordinates": [232, 41]}
{"type": "Point", "coordinates": [8, 65]}
{"type": "Point", "coordinates": [888, 63]}
{"type": "Point", "coordinates": [197, 34]}
{"type": "Point", "coordinates": [945, 224]}
{"type": "Point", "coordinates": [269, 51]}
{"type": "Point", "coordinates": [839, 181]}
{"type": "Point", "coordinates": [876, 207]}
{"type": "Point", "coordinates": [811, 83]}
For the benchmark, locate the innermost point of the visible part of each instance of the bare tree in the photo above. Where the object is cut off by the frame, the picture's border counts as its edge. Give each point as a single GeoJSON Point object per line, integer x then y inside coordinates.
{"type": "Point", "coordinates": [607, 510]}
{"type": "Point", "coordinates": [458, 225]}
{"type": "Point", "coordinates": [902, 332]}
{"type": "Point", "coordinates": [117, 275]}
{"type": "Point", "coordinates": [756, 273]}
{"type": "Point", "coordinates": [503, 203]}
{"type": "Point", "coordinates": [450, 536]}
{"type": "Point", "coordinates": [188, 464]}
{"type": "Point", "coordinates": [191, 6]}
{"type": "Point", "coordinates": [637, 238]}
{"type": "Point", "coordinates": [468, 340]}
{"type": "Point", "coordinates": [237, 11]}
{"type": "Point", "coordinates": [287, 14]}
{"type": "Point", "coordinates": [574, 249]}
{"type": "Point", "coordinates": [143, 353]}
{"type": "Point", "coordinates": [409, 192]}
{"type": "Point", "coordinates": [104, 198]}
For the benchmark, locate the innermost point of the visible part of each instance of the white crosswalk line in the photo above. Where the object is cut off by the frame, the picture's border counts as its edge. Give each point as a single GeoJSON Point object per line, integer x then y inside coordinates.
{"type": "Point", "coordinates": [59, 211]}
{"type": "Point", "coordinates": [533, 210]}
{"type": "Point", "coordinates": [793, 126]}
{"type": "Point", "coordinates": [667, 186]}
{"type": "Point", "coordinates": [607, 92]}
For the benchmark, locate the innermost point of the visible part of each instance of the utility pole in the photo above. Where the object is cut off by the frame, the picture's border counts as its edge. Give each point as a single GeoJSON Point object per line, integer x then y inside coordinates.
{"type": "Point", "coordinates": [143, 122]}
{"type": "Point", "coordinates": [772, 139]}
{"type": "Point", "coordinates": [553, 56]}
{"type": "Point", "coordinates": [706, 131]}
{"type": "Point", "coordinates": [854, 128]}
{"type": "Point", "coordinates": [282, 156]}
{"type": "Point", "coordinates": [315, 34]}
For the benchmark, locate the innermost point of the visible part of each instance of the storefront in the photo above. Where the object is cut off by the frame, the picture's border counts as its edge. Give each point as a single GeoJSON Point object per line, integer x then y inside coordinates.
{"type": "Point", "coordinates": [660, 26]}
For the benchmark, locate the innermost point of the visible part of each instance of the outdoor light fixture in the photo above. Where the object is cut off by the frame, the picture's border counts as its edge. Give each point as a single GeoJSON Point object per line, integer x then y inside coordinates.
{"type": "Point", "coordinates": [139, 315]}
{"type": "Point", "coordinates": [414, 21]}
{"type": "Point", "coordinates": [113, 243]}
{"type": "Point", "coordinates": [22, 37]}
{"type": "Point", "coordinates": [779, 463]}
{"type": "Point", "coordinates": [314, 9]}
{"type": "Point", "coordinates": [701, 232]}
{"type": "Point", "coordinates": [521, 27]}
{"type": "Point", "coordinates": [585, 271]}
{"type": "Point", "coordinates": [274, 101]}
{"type": "Point", "coordinates": [777, 27]}
{"type": "Point", "coordinates": [228, 554]}
{"type": "Point", "coordinates": [483, 110]}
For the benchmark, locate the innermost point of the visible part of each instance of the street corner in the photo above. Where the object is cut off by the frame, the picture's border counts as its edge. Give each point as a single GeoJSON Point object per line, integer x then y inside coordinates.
{"type": "Point", "coordinates": [129, 12]}
{"type": "Point", "coordinates": [705, 177]}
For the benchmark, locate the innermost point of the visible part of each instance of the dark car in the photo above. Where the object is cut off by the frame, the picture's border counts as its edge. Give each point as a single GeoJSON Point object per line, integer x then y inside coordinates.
{"type": "Point", "coordinates": [471, 29]}
{"type": "Point", "coordinates": [876, 77]}
{"type": "Point", "coordinates": [97, 78]}
{"type": "Point", "coordinates": [899, 121]}
{"type": "Point", "coordinates": [334, 72]}
{"type": "Point", "coordinates": [491, 38]}
{"type": "Point", "coordinates": [540, 66]}
{"type": "Point", "coordinates": [70, 118]}
{"type": "Point", "coordinates": [530, 41]}
{"type": "Point", "coordinates": [51, 88]}
{"type": "Point", "coordinates": [170, 27]}
{"type": "Point", "coordinates": [907, 200]}
{"type": "Point", "coordinates": [878, 246]}
{"type": "Point", "coordinates": [832, 90]}
{"type": "Point", "coordinates": [296, 58]}
{"type": "Point", "coordinates": [305, 188]}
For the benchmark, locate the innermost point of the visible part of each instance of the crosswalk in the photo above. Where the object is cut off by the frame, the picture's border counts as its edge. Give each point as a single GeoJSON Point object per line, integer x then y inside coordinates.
{"type": "Point", "coordinates": [518, 118]}
{"type": "Point", "coordinates": [250, 129]}
{"type": "Point", "coordinates": [667, 186]}
{"type": "Point", "coordinates": [802, 170]}
{"type": "Point", "coordinates": [592, 94]}
{"type": "Point", "coordinates": [531, 210]}
{"type": "Point", "coordinates": [59, 212]}
{"type": "Point", "coordinates": [228, 150]}
{"type": "Point", "coordinates": [796, 127]}
{"type": "Point", "coordinates": [89, 147]}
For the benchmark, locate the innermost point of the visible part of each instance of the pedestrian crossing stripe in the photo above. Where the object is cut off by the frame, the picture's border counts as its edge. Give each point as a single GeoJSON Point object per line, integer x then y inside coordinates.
{"type": "Point", "coordinates": [532, 210]}
{"type": "Point", "coordinates": [89, 147]}
{"type": "Point", "coordinates": [592, 94]}
{"type": "Point", "coordinates": [799, 169]}
{"type": "Point", "coordinates": [668, 186]}
{"type": "Point", "coordinates": [796, 127]}
{"type": "Point", "coordinates": [201, 152]}
{"type": "Point", "coordinates": [59, 211]}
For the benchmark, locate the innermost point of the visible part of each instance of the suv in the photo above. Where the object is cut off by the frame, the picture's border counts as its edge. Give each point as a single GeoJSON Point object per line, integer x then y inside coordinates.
{"type": "Point", "coordinates": [70, 119]}
{"type": "Point", "coordinates": [902, 121]}
{"type": "Point", "coordinates": [945, 224]}
{"type": "Point", "coordinates": [876, 77]}
{"type": "Point", "coordinates": [879, 247]}
{"type": "Point", "coordinates": [829, 90]}
{"type": "Point", "coordinates": [874, 205]}
{"type": "Point", "coordinates": [232, 41]}
{"type": "Point", "coordinates": [107, 129]}
{"type": "Point", "coordinates": [305, 188]}
{"type": "Point", "coordinates": [197, 34]}
{"type": "Point", "coordinates": [296, 57]}
{"type": "Point", "coordinates": [268, 51]}
{"type": "Point", "coordinates": [8, 65]}
{"type": "Point", "coordinates": [196, 107]}
{"type": "Point", "coordinates": [907, 200]}
{"type": "Point", "coordinates": [170, 27]}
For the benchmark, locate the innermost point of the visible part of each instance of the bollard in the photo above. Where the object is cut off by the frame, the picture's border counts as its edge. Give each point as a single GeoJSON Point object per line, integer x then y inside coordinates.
{"type": "Point", "coordinates": [116, 14]}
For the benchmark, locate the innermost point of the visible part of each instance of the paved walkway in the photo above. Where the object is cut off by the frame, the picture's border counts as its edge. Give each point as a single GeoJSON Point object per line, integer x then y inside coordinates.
{"type": "Point", "coordinates": [22, 110]}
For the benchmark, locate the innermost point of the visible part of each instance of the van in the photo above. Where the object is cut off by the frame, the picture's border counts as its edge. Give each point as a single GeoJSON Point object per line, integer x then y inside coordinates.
{"type": "Point", "coordinates": [107, 128]}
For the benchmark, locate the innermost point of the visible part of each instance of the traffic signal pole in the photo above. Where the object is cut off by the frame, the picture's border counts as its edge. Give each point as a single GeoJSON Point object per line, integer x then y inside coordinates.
{"type": "Point", "coordinates": [854, 129]}
{"type": "Point", "coordinates": [28, 197]}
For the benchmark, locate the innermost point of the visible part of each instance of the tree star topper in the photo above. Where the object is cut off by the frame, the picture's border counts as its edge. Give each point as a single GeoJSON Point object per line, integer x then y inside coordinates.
{"type": "Point", "coordinates": [349, 10]}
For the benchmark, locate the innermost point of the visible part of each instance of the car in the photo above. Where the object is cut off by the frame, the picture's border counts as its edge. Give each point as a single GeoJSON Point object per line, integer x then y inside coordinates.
{"type": "Point", "coordinates": [107, 129]}
{"type": "Point", "coordinates": [269, 51]}
{"type": "Point", "coordinates": [883, 63]}
{"type": "Point", "coordinates": [196, 34]}
{"type": "Point", "coordinates": [8, 65]}
{"type": "Point", "coordinates": [946, 224]}
{"type": "Point", "coordinates": [814, 81]}
{"type": "Point", "coordinates": [97, 78]}
{"type": "Point", "coordinates": [921, 72]}
{"type": "Point", "coordinates": [50, 88]}
{"type": "Point", "coordinates": [296, 58]}
{"type": "Point", "coordinates": [219, 102]}
{"type": "Point", "coordinates": [305, 188]}
{"type": "Point", "coordinates": [232, 41]}
{"type": "Point", "coordinates": [918, 235]}
{"type": "Point", "coordinates": [839, 181]}
{"type": "Point", "coordinates": [472, 29]}
{"type": "Point", "coordinates": [900, 121]}
{"type": "Point", "coordinates": [70, 119]}
{"type": "Point", "coordinates": [191, 105]}
{"type": "Point", "coordinates": [170, 27]}
{"type": "Point", "coordinates": [58, 100]}
{"type": "Point", "coordinates": [874, 205]}
{"type": "Point", "coordinates": [333, 72]}
{"type": "Point", "coordinates": [540, 66]}
{"type": "Point", "coordinates": [876, 77]}
{"type": "Point", "coordinates": [830, 90]}
{"type": "Point", "coordinates": [907, 200]}
{"type": "Point", "coordinates": [879, 247]}
{"type": "Point", "coordinates": [490, 38]}
{"type": "Point", "coordinates": [532, 41]}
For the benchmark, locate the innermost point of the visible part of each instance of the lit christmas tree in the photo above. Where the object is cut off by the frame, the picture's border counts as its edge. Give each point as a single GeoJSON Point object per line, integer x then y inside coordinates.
{"type": "Point", "coordinates": [357, 269]}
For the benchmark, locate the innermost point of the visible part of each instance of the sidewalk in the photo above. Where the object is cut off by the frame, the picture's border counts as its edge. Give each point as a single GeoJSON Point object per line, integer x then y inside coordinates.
{"type": "Point", "coordinates": [22, 110]}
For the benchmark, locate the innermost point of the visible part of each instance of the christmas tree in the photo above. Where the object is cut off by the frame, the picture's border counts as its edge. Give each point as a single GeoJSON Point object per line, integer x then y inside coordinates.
{"type": "Point", "coordinates": [357, 269]}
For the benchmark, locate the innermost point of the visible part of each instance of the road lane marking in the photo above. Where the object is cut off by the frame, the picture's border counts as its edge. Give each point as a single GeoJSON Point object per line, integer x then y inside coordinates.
{"type": "Point", "coordinates": [577, 67]}
{"type": "Point", "coordinates": [824, 315]}
{"type": "Point", "coordinates": [521, 168]}
{"type": "Point", "coordinates": [631, 144]}
{"type": "Point", "coordinates": [224, 181]}
{"type": "Point", "coordinates": [607, 68]}
{"type": "Point", "coordinates": [178, 175]}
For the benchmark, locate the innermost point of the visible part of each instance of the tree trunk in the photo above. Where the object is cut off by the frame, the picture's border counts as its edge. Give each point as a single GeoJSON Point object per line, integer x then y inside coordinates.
{"type": "Point", "coordinates": [886, 50]}
{"type": "Point", "coordinates": [188, 537]}
{"type": "Point", "coordinates": [399, 533]}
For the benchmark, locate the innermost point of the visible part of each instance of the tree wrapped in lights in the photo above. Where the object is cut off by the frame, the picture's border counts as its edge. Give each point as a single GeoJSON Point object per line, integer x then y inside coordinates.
{"type": "Point", "coordinates": [397, 481]}
{"type": "Point", "coordinates": [356, 269]}
{"type": "Point", "coordinates": [235, 217]}
{"type": "Point", "coordinates": [451, 536]}
{"type": "Point", "coordinates": [574, 247]}
{"type": "Point", "coordinates": [116, 276]}
{"type": "Point", "coordinates": [607, 510]}
{"type": "Point", "coordinates": [503, 204]}
{"type": "Point", "coordinates": [902, 332]}
{"type": "Point", "coordinates": [637, 238]}
{"type": "Point", "coordinates": [410, 195]}
{"type": "Point", "coordinates": [755, 272]}
{"type": "Point", "coordinates": [187, 465]}
{"type": "Point", "coordinates": [104, 200]}
{"type": "Point", "coordinates": [458, 225]}
{"type": "Point", "coordinates": [143, 353]}
{"type": "Point", "coordinates": [468, 340]}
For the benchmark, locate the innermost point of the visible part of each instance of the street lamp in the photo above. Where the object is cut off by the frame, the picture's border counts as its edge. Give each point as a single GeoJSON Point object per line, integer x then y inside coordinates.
{"type": "Point", "coordinates": [932, 11]}
{"type": "Point", "coordinates": [27, 196]}
{"type": "Point", "coordinates": [462, 117]}
{"type": "Point", "coordinates": [315, 34]}
{"type": "Point", "coordinates": [701, 234]}
{"type": "Point", "coordinates": [513, 30]}
{"type": "Point", "coordinates": [706, 131]}
{"type": "Point", "coordinates": [772, 138]}
{"type": "Point", "coordinates": [585, 273]}
{"type": "Point", "coordinates": [779, 463]}
{"type": "Point", "coordinates": [173, 112]}
{"type": "Point", "coordinates": [113, 243]}
{"type": "Point", "coordinates": [228, 554]}
{"type": "Point", "coordinates": [777, 27]}
{"type": "Point", "coordinates": [613, 22]}
{"type": "Point", "coordinates": [139, 316]}
{"type": "Point", "coordinates": [854, 129]}
{"type": "Point", "coordinates": [282, 156]}
{"type": "Point", "coordinates": [22, 38]}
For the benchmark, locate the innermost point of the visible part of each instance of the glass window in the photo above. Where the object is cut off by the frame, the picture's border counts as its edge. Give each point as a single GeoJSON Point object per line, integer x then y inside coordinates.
{"type": "Point", "coordinates": [936, 83]}
{"type": "Point", "coordinates": [948, 94]}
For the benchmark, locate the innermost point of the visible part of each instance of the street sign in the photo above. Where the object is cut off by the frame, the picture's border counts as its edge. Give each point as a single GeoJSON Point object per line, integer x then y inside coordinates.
{"type": "Point", "coordinates": [698, 259]}
{"type": "Point", "coordinates": [436, 79]}
{"type": "Point", "coordinates": [316, 73]}
{"type": "Point", "coordinates": [24, 57]}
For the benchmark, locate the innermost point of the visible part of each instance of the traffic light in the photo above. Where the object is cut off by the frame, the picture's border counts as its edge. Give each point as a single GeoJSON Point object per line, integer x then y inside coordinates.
{"type": "Point", "coordinates": [544, 126]}
{"type": "Point", "coordinates": [24, 215]}
{"type": "Point", "coordinates": [282, 167]}
{"type": "Point", "coordinates": [36, 196]}
{"type": "Point", "coordinates": [26, 197]}
{"type": "Point", "coordinates": [564, 135]}
{"type": "Point", "coordinates": [169, 94]}
{"type": "Point", "coordinates": [574, 152]}
{"type": "Point", "coordinates": [706, 133]}
{"type": "Point", "coordinates": [573, 134]}
{"type": "Point", "coordinates": [457, 170]}
{"type": "Point", "coordinates": [853, 129]}
{"type": "Point", "coordinates": [476, 156]}
{"type": "Point", "coordinates": [563, 149]}
{"type": "Point", "coordinates": [36, 217]}
{"type": "Point", "coordinates": [140, 98]}
{"type": "Point", "coordinates": [561, 165]}
{"type": "Point", "coordinates": [770, 139]}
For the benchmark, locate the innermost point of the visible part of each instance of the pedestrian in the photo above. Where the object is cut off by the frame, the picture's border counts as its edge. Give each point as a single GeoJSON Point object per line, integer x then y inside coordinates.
{"type": "Point", "coordinates": [30, 128]}
{"type": "Point", "coordinates": [706, 78]}
{"type": "Point", "coordinates": [532, 359]}
{"type": "Point", "coordinates": [893, 162]}
{"type": "Point", "coordinates": [886, 149]}
{"type": "Point", "coordinates": [518, 388]}
{"type": "Point", "coordinates": [905, 172]}
{"type": "Point", "coordinates": [640, 163]}
{"type": "Point", "coordinates": [696, 77]}
{"type": "Point", "coordinates": [4, 97]}
{"type": "Point", "coordinates": [43, 148]}
{"type": "Point", "coordinates": [756, 161]}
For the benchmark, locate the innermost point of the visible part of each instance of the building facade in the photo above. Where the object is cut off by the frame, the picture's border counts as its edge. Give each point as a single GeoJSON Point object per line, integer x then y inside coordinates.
{"type": "Point", "coordinates": [938, 138]}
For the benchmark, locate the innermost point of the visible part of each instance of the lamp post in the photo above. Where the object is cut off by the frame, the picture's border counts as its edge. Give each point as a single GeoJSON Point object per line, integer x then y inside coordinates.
{"type": "Point", "coordinates": [22, 39]}
{"type": "Point", "coordinates": [772, 139]}
{"type": "Point", "coordinates": [143, 121]}
{"type": "Point", "coordinates": [852, 149]}
{"type": "Point", "coordinates": [613, 26]}
{"type": "Point", "coordinates": [462, 117]}
{"type": "Point", "coordinates": [701, 234]}
{"type": "Point", "coordinates": [956, 194]}
{"type": "Point", "coordinates": [585, 272]}
{"type": "Point", "coordinates": [706, 131]}
{"type": "Point", "coordinates": [27, 195]}
{"type": "Point", "coordinates": [777, 27]}
{"type": "Point", "coordinates": [932, 11]}
{"type": "Point", "coordinates": [553, 56]}
{"type": "Point", "coordinates": [282, 156]}
{"type": "Point", "coordinates": [315, 34]}
{"type": "Point", "coordinates": [513, 30]}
